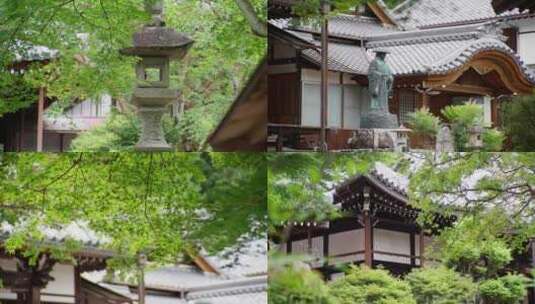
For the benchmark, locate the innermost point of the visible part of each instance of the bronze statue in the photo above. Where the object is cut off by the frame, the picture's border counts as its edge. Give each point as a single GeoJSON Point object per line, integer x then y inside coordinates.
{"type": "Point", "coordinates": [381, 80]}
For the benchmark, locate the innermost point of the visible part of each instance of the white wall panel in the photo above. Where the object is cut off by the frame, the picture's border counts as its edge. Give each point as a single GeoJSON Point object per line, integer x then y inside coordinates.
{"type": "Point", "coordinates": [63, 284]}
{"type": "Point", "coordinates": [352, 105]}
{"type": "Point", "coordinates": [346, 242]}
{"type": "Point", "coordinates": [301, 247]}
{"type": "Point", "coordinates": [391, 242]}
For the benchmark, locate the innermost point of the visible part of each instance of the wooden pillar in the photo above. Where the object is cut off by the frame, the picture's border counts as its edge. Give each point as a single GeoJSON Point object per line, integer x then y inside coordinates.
{"type": "Point", "coordinates": [326, 244]}
{"type": "Point", "coordinates": [40, 124]}
{"type": "Point", "coordinates": [425, 101]}
{"type": "Point", "coordinates": [77, 286]}
{"type": "Point", "coordinates": [324, 76]}
{"type": "Point", "coordinates": [422, 248]}
{"type": "Point", "coordinates": [413, 249]}
{"type": "Point", "coordinates": [368, 240]}
{"type": "Point", "coordinates": [34, 296]}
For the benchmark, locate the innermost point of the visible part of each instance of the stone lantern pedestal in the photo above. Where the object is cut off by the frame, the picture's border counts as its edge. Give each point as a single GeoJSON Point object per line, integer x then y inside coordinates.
{"type": "Point", "coordinates": [156, 45]}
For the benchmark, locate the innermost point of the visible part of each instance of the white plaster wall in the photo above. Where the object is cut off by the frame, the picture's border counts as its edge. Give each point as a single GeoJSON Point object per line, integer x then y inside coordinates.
{"type": "Point", "coordinates": [301, 247]}
{"type": "Point", "coordinates": [346, 242]}
{"type": "Point", "coordinates": [63, 284]}
{"type": "Point", "coordinates": [392, 242]}
{"type": "Point", "coordinates": [352, 106]}
{"type": "Point", "coordinates": [355, 100]}
{"type": "Point", "coordinates": [526, 41]}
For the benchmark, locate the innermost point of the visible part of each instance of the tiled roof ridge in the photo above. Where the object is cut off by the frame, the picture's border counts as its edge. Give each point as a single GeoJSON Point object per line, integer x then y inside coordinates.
{"type": "Point", "coordinates": [457, 59]}
{"type": "Point", "coordinates": [385, 180]}
{"type": "Point", "coordinates": [230, 292]}
{"type": "Point", "coordinates": [423, 39]}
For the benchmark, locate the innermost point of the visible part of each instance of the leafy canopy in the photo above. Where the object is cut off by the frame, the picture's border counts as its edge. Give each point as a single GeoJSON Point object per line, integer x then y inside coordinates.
{"type": "Point", "coordinates": [362, 285]}
{"type": "Point", "coordinates": [162, 204]}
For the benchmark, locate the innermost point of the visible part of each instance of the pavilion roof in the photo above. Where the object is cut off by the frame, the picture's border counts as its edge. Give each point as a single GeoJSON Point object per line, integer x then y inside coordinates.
{"type": "Point", "coordinates": [422, 13]}
{"type": "Point", "coordinates": [91, 243]}
{"type": "Point", "coordinates": [436, 51]}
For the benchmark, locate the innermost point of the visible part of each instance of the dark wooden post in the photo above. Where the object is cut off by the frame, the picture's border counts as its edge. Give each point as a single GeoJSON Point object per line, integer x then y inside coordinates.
{"type": "Point", "coordinates": [368, 240]}
{"type": "Point", "coordinates": [325, 8]}
{"type": "Point", "coordinates": [425, 100]}
{"type": "Point", "coordinates": [77, 285]}
{"type": "Point", "coordinates": [40, 123]}
{"type": "Point", "coordinates": [34, 296]}
{"type": "Point", "coordinates": [413, 249]}
{"type": "Point", "coordinates": [422, 248]}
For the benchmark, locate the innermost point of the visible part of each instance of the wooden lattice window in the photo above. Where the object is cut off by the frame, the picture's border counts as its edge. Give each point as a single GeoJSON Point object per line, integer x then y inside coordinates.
{"type": "Point", "coordinates": [407, 104]}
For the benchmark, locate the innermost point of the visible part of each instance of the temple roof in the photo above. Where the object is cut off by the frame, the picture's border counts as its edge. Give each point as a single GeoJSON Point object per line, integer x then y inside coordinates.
{"type": "Point", "coordinates": [88, 239]}
{"type": "Point", "coordinates": [422, 13]}
{"type": "Point", "coordinates": [437, 51]}
{"type": "Point", "coordinates": [241, 278]}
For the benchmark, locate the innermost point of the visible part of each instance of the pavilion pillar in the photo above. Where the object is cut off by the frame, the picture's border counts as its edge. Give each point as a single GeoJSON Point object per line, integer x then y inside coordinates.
{"type": "Point", "coordinates": [425, 100]}
{"type": "Point", "coordinates": [40, 123]}
{"type": "Point", "coordinates": [34, 296]}
{"type": "Point", "coordinates": [368, 240]}
{"type": "Point", "coordinates": [422, 248]}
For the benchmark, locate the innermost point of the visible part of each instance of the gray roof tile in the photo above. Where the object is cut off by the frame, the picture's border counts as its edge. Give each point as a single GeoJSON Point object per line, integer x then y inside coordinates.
{"type": "Point", "coordinates": [344, 26]}
{"type": "Point", "coordinates": [422, 13]}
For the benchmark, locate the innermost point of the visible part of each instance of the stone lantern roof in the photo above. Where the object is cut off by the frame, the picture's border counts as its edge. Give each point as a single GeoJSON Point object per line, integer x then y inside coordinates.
{"type": "Point", "coordinates": [159, 41]}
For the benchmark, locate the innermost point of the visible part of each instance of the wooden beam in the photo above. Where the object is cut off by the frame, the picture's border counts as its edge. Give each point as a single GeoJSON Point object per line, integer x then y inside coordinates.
{"type": "Point", "coordinates": [467, 89]}
{"type": "Point", "coordinates": [381, 14]}
{"type": "Point", "coordinates": [40, 123]}
{"type": "Point", "coordinates": [368, 240]}
{"type": "Point", "coordinates": [422, 248]}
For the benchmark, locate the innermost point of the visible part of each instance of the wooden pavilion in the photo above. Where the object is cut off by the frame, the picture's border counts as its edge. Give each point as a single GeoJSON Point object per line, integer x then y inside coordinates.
{"type": "Point", "coordinates": [441, 53]}
{"type": "Point", "coordinates": [53, 281]}
{"type": "Point", "coordinates": [378, 228]}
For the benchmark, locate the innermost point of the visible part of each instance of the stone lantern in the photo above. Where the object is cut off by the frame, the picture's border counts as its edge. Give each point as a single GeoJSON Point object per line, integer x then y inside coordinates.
{"type": "Point", "coordinates": [157, 45]}
{"type": "Point", "coordinates": [401, 142]}
{"type": "Point", "coordinates": [475, 138]}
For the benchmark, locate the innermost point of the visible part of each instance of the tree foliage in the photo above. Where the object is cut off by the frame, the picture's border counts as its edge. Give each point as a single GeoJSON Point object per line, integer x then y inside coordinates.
{"type": "Point", "coordinates": [90, 65]}
{"type": "Point", "coordinates": [362, 285]}
{"type": "Point", "coordinates": [162, 204]}
{"type": "Point", "coordinates": [440, 285]}
{"type": "Point", "coordinates": [296, 283]}
{"type": "Point", "coordinates": [519, 122]}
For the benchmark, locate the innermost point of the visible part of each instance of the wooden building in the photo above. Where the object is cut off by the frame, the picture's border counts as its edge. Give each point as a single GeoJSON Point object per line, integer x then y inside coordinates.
{"type": "Point", "coordinates": [243, 127]}
{"type": "Point", "coordinates": [33, 128]}
{"type": "Point", "coordinates": [441, 53]}
{"type": "Point", "coordinates": [53, 281]}
{"type": "Point", "coordinates": [377, 228]}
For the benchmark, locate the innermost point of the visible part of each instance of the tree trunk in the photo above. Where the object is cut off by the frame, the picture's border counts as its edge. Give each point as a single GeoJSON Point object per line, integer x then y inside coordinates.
{"type": "Point", "coordinates": [257, 25]}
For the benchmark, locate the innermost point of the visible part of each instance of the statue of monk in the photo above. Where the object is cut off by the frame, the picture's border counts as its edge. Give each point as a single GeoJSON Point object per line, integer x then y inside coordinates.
{"type": "Point", "coordinates": [380, 82]}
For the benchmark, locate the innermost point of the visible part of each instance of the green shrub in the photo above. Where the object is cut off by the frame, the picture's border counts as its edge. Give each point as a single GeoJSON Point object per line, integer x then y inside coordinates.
{"type": "Point", "coordinates": [519, 122]}
{"type": "Point", "coordinates": [504, 290]}
{"type": "Point", "coordinates": [363, 285]}
{"type": "Point", "coordinates": [423, 122]}
{"type": "Point", "coordinates": [440, 286]}
{"type": "Point", "coordinates": [119, 132]}
{"type": "Point", "coordinates": [462, 118]}
{"type": "Point", "coordinates": [296, 285]}
{"type": "Point", "coordinates": [469, 114]}
{"type": "Point", "coordinates": [493, 140]}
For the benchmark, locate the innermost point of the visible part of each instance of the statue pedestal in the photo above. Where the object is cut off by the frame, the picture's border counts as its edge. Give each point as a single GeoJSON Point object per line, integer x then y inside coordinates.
{"type": "Point", "coordinates": [379, 119]}
{"type": "Point", "coordinates": [151, 103]}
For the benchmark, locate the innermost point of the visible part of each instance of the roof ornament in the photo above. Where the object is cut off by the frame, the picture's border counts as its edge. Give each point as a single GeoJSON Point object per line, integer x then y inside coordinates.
{"type": "Point", "coordinates": [493, 30]}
